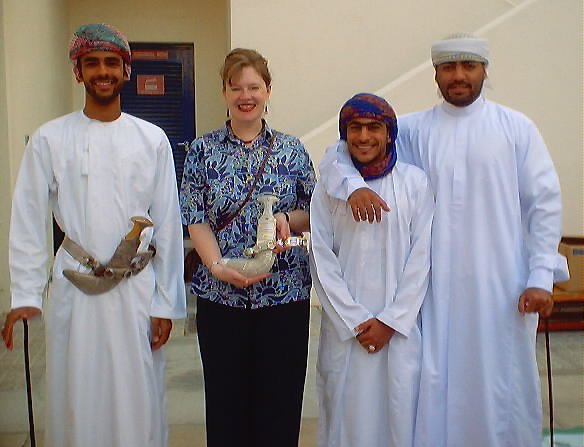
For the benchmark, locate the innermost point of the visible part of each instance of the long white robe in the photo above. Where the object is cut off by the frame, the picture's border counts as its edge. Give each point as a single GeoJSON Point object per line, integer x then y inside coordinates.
{"type": "Point", "coordinates": [365, 271]}
{"type": "Point", "coordinates": [496, 231]}
{"type": "Point", "coordinates": [104, 384]}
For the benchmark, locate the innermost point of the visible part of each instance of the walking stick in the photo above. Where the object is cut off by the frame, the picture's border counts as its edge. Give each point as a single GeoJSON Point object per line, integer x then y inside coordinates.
{"type": "Point", "coordinates": [549, 378]}
{"type": "Point", "coordinates": [28, 386]}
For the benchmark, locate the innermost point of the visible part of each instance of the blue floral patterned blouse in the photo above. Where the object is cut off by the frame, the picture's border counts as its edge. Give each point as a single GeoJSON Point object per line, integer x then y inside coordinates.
{"type": "Point", "coordinates": [219, 170]}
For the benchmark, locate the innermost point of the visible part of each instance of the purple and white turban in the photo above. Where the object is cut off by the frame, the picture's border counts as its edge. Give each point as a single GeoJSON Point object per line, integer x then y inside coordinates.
{"type": "Point", "coordinates": [99, 37]}
{"type": "Point", "coordinates": [370, 106]}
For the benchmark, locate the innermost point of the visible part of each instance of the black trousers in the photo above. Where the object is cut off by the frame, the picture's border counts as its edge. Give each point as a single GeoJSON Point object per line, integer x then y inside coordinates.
{"type": "Point", "coordinates": [254, 368]}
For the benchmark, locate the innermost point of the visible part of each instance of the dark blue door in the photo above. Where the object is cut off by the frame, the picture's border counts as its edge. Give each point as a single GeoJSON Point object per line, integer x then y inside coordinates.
{"type": "Point", "coordinates": [162, 90]}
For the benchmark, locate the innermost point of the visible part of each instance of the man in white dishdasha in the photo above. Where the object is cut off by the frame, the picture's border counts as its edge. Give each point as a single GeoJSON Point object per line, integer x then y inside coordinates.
{"type": "Point", "coordinates": [110, 303]}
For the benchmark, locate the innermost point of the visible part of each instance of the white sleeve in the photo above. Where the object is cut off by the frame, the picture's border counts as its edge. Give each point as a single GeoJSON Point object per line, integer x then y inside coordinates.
{"type": "Point", "coordinates": [401, 314]}
{"type": "Point", "coordinates": [541, 207]}
{"type": "Point", "coordinates": [338, 174]}
{"type": "Point", "coordinates": [327, 277]}
{"type": "Point", "coordinates": [170, 298]}
{"type": "Point", "coordinates": [28, 243]}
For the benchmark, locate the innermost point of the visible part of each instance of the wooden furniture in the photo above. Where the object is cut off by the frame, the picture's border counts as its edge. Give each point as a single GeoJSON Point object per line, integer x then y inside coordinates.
{"type": "Point", "coordinates": [568, 313]}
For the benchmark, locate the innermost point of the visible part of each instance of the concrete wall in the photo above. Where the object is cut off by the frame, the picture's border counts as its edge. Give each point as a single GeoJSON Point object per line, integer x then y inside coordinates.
{"type": "Point", "coordinates": [4, 177]}
{"type": "Point", "coordinates": [34, 82]}
{"type": "Point", "coordinates": [186, 21]}
{"type": "Point", "coordinates": [323, 52]}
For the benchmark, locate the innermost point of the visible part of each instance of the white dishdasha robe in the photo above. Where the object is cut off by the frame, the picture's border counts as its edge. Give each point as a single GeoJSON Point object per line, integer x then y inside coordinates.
{"type": "Point", "coordinates": [361, 272]}
{"type": "Point", "coordinates": [104, 384]}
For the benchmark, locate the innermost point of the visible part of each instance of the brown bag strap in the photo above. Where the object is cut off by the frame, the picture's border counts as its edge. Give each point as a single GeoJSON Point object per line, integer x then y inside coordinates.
{"type": "Point", "coordinates": [259, 173]}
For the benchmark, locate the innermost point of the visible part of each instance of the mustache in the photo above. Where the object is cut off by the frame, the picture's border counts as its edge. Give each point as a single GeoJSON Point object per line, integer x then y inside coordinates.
{"type": "Point", "coordinates": [459, 84]}
{"type": "Point", "coordinates": [104, 78]}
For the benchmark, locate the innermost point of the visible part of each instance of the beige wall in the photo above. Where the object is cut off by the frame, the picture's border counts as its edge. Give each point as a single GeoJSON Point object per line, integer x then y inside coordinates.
{"type": "Point", "coordinates": [541, 74]}
{"type": "Point", "coordinates": [186, 21]}
{"type": "Point", "coordinates": [34, 86]}
{"type": "Point", "coordinates": [4, 177]}
{"type": "Point", "coordinates": [323, 52]}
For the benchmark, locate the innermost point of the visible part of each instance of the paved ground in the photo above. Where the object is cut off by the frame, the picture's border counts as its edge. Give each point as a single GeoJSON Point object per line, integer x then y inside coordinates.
{"type": "Point", "coordinates": [184, 387]}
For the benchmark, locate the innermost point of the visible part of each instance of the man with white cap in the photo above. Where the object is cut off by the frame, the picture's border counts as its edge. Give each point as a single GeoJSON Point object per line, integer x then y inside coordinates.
{"type": "Point", "coordinates": [495, 235]}
{"type": "Point", "coordinates": [111, 303]}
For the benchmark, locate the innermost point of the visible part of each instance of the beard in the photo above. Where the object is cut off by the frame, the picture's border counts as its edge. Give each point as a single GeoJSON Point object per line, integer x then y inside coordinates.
{"type": "Point", "coordinates": [462, 101]}
{"type": "Point", "coordinates": [104, 100]}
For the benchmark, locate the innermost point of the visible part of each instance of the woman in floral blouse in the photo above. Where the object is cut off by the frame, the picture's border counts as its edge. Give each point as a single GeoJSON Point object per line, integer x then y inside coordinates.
{"type": "Point", "coordinates": [253, 332]}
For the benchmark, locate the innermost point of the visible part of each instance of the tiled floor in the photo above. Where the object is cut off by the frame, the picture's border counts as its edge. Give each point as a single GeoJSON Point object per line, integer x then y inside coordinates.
{"type": "Point", "coordinates": [184, 386]}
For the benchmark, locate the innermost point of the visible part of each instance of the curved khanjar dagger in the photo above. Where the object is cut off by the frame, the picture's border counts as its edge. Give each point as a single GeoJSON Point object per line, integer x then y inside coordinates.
{"type": "Point", "coordinates": [260, 257]}
{"type": "Point", "coordinates": [263, 256]}
{"type": "Point", "coordinates": [103, 278]}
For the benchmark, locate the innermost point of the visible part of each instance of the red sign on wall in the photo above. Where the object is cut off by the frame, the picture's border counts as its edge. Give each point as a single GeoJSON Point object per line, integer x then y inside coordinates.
{"type": "Point", "coordinates": [159, 55]}
{"type": "Point", "coordinates": [150, 84]}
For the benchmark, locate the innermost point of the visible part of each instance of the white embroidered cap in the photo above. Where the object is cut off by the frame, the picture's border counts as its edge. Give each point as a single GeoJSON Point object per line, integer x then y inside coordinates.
{"type": "Point", "coordinates": [460, 47]}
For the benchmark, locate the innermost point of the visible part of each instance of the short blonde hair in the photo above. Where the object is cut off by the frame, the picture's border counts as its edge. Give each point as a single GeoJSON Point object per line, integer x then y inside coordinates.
{"type": "Point", "coordinates": [238, 59]}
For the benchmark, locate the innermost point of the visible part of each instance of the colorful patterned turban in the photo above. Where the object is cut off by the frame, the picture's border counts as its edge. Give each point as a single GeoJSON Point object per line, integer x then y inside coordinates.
{"type": "Point", "coordinates": [367, 105]}
{"type": "Point", "coordinates": [99, 37]}
{"type": "Point", "coordinates": [460, 47]}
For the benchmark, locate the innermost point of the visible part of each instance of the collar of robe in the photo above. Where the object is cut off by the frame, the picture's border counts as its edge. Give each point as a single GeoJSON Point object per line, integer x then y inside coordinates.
{"type": "Point", "coordinates": [463, 111]}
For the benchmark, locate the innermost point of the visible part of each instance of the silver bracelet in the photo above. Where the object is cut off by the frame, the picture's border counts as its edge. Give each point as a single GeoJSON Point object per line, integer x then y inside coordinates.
{"type": "Point", "coordinates": [213, 264]}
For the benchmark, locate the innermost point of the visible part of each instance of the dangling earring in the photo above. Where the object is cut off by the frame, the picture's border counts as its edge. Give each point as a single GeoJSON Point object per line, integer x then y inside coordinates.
{"type": "Point", "coordinates": [227, 113]}
{"type": "Point", "coordinates": [266, 109]}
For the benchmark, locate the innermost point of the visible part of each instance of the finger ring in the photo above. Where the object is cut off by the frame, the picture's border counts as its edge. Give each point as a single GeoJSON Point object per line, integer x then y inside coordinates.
{"type": "Point", "coordinates": [371, 348]}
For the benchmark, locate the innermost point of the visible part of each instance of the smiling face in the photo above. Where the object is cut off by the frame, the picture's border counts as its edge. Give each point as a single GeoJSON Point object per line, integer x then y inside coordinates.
{"type": "Point", "coordinates": [102, 73]}
{"type": "Point", "coordinates": [460, 82]}
{"type": "Point", "coordinates": [367, 140]}
{"type": "Point", "coordinates": [246, 95]}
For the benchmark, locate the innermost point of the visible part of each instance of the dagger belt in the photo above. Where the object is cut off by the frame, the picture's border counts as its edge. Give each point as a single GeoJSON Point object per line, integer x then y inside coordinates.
{"type": "Point", "coordinates": [125, 262]}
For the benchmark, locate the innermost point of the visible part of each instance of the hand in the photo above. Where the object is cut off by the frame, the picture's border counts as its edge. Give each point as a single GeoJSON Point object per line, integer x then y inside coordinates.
{"type": "Point", "coordinates": [282, 232]}
{"type": "Point", "coordinates": [534, 299]}
{"type": "Point", "coordinates": [161, 328]}
{"type": "Point", "coordinates": [233, 277]}
{"type": "Point", "coordinates": [373, 335]}
{"type": "Point", "coordinates": [19, 313]}
{"type": "Point", "coordinates": [366, 205]}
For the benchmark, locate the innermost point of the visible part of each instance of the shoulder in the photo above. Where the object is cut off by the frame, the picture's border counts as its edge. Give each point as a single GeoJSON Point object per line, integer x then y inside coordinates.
{"type": "Point", "coordinates": [412, 117]}
{"type": "Point", "coordinates": [53, 133]}
{"type": "Point", "coordinates": [62, 122]}
{"type": "Point", "coordinates": [210, 138]}
{"type": "Point", "coordinates": [289, 148]}
{"type": "Point", "coordinates": [141, 124]}
{"type": "Point", "coordinates": [285, 140]}
{"type": "Point", "coordinates": [412, 121]}
{"type": "Point", "coordinates": [508, 115]}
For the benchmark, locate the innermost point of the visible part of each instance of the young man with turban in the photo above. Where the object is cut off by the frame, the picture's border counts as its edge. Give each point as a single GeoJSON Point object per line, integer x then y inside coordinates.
{"type": "Point", "coordinates": [105, 322]}
{"type": "Point", "coordinates": [495, 236]}
{"type": "Point", "coordinates": [371, 282]}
